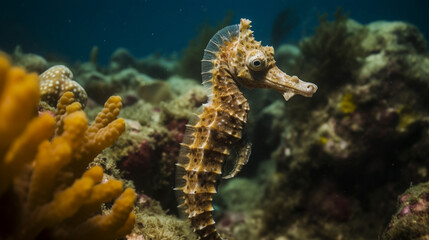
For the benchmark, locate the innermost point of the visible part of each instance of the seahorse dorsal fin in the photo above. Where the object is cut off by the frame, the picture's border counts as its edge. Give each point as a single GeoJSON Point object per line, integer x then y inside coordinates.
{"type": "Point", "coordinates": [243, 153]}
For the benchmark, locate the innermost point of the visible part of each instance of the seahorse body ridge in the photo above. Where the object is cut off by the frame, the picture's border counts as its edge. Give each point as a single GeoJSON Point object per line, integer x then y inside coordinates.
{"type": "Point", "coordinates": [231, 59]}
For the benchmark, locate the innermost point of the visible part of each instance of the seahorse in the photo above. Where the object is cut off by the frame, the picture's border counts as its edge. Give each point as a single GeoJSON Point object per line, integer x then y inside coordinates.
{"type": "Point", "coordinates": [231, 59]}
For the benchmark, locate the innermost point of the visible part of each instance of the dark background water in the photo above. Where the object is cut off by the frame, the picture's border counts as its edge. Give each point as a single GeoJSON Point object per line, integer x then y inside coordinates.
{"type": "Point", "coordinates": [69, 29]}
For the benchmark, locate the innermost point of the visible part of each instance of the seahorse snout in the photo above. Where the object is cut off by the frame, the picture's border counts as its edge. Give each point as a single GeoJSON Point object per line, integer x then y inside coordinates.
{"type": "Point", "coordinates": [288, 85]}
{"type": "Point", "coordinates": [309, 89]}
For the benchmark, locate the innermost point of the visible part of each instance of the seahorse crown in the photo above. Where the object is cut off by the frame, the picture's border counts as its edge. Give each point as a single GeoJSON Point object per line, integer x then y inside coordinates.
{"type": "Point", "coordinates": [232, 58]}
{"type": "Point", "coordinates": [249, 63]}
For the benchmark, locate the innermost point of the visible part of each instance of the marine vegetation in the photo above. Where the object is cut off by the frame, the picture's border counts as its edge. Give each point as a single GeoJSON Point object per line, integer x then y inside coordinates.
{"type": "Point", "coordinates": [331, 54]}
{"type": "Point", "coordinates": [46, 189]}
{"type": "Point", "coordinates": [283, 25]}
{"type": "Point", "coordinates": [231, 59]}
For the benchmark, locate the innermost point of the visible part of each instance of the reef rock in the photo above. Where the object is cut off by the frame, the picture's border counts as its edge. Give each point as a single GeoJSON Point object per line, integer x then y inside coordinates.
{"type": "Point", "coordinates": [121, 59]}
{"type": "Point", "coordinates": [31, 62]}
{"type": "Point", "coordinates": [157, 66]}
{"type": "Point", "coordinates": [411, 221]}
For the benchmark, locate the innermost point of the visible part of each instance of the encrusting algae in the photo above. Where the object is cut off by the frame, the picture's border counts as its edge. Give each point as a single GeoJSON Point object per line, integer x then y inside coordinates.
{"type": "Point", "coordinates": [348, 104]}
{"type": "Point", "coordinates": [46, 190]}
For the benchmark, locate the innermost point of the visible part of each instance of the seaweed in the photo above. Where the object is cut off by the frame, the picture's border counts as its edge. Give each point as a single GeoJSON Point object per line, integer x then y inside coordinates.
{"type": "Point", "coordinates": [332, 55]}
{"type": "Point", "coordinates": [285, 21]}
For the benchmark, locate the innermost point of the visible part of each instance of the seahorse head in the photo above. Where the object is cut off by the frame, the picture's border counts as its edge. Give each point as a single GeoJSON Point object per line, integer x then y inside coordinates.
{"type": "Point", "coordinates": [253, 66]}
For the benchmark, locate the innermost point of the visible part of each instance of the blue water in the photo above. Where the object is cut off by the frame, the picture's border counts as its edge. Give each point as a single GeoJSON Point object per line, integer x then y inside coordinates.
{"type": "Point", "coordinates": [69, 29]}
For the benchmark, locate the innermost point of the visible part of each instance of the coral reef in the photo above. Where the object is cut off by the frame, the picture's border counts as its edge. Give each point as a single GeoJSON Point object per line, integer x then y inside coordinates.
{"type": "Point", "coordinates": [157, 66]}
{"type": "Point", "coordinates": [411, 221]}
{"type": "Point", "coordinates": [288, 55]}
{"type": "Point", "coordinates": [148, 150]}
{"type": "Point", "coordinates": [129, 83]}
{"type": "Point", "coordinates": [154, 223]}
{"type": "Point", "coordinates": [121, 59]}
{"type": "Point", "coordinates": [331, 56]}
{"type": "Point", "coordinates": [102, 133]}
{"type": "Point", "coordinates": [239, 215]}
{"type": "Point", "coordinates": [235, 194]}
{"type": "Point", "coordinates": [153, 65]}
{"type": "Point", "coordinates": [155, 113]}
{"type": "Point", "coordinates": [31, 62]}
{"type": "Point", "coordinates": [367, 139]}
{"type": "Point", "coordinates": [58, 80]}
{"type": "Point", "coordinates": [326, 168]}
{"type": "Point", "coordinates": [46, 191]}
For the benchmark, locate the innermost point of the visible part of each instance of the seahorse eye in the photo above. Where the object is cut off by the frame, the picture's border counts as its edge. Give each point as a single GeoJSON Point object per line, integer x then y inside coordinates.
{"type": "Point", "coordinates": [256, 61]}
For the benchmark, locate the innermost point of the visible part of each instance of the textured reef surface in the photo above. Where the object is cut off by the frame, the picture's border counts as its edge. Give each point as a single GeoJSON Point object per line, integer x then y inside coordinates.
{"type": "Point", "coordinates": [349, 163]}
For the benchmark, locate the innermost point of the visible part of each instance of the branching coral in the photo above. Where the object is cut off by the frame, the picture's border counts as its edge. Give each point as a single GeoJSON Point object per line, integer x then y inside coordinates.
{"type": "Point", "coordinates": [101, 134]}
{"type": "Point", "coordinates": [18, 100]}
{"type": "Point", "coordinates": [45, 191]}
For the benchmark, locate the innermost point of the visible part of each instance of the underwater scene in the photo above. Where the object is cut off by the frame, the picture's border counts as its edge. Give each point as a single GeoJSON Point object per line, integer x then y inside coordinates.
{"type": "Point", "coordinates": [214, 120]}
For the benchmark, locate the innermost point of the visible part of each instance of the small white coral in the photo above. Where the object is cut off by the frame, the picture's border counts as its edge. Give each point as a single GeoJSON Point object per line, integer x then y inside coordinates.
{"type": "Point", "coordinates": [58, 80]}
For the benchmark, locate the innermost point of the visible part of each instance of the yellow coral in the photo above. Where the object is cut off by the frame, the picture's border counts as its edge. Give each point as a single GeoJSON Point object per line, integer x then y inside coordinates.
{"type": "Point", "coordinates": [99, 227]}
{"type": "Point", "coordinates": [66, 99]}
{"type": "Point", "coordinates": [20, 133]}
{"type": "Point", "coordinates": [42, 191]}
{"type": "Point", "coordinates": [100, 135]}
{"type": "Point", "coordinates": [406, 117]}
{"type": "Point", "coordinates": [323, 140]}
{"type": "Point", "coordinates": [405, 120]}
{"type": "Point", "coordinates": [348, 104]}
